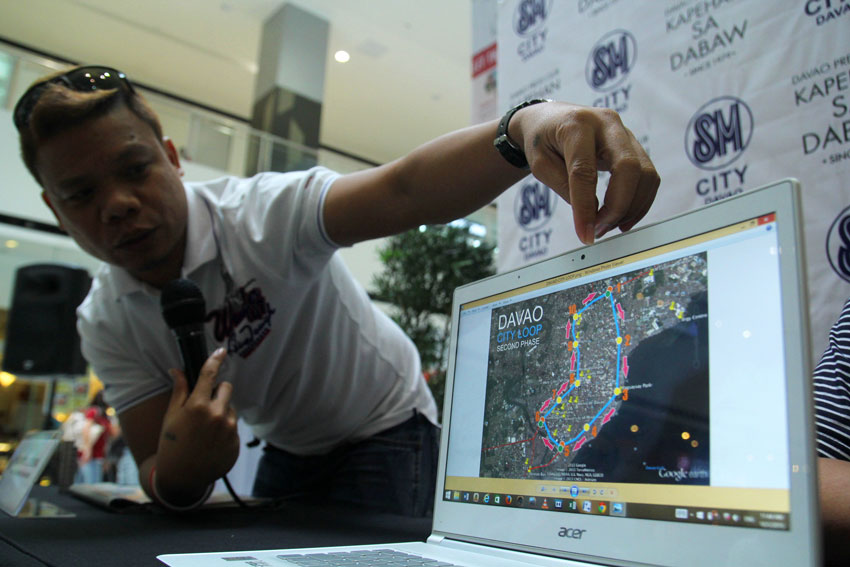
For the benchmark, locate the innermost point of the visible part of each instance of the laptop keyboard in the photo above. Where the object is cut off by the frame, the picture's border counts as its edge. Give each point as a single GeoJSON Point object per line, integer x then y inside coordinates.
{"type": "Point", "coordinates": [372, 557]}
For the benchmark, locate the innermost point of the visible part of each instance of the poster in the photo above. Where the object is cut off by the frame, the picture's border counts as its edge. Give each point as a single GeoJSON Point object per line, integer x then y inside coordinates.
{"type": "Point", "coordinates": [725, 96]}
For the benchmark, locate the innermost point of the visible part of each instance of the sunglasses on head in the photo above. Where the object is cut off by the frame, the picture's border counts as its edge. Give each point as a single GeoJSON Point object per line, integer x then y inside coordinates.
{"type": "Point", "coordinates": [82, 79]}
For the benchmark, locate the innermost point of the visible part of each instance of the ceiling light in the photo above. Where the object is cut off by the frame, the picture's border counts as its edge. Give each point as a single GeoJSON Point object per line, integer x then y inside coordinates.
{"type": "Point", "coordinates": [342, 56]}
{"type": "Point", "coordinates": [7, 379]}
{"type": "Point", "coordinates": [11, 244]}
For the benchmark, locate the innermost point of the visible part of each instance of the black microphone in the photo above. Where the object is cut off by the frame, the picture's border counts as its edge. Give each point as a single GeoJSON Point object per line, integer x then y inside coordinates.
{"type": "Point", "coordinates": [184, 310]}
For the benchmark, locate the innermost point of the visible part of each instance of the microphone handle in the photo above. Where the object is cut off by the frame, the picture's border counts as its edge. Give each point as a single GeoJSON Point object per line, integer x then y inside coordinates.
{"type": "Point", "coordinates": [193, 351]}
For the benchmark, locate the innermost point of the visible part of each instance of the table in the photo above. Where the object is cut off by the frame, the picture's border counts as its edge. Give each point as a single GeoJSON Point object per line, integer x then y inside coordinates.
{"type": "Point", "coordinates": [96, 536]}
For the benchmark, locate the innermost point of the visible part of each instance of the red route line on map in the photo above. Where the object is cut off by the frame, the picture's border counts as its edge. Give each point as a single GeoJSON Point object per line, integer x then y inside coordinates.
{"type": "Point", "coordinates": [634, 278]}
{"type": "Point", "coordinates": [546, 465]}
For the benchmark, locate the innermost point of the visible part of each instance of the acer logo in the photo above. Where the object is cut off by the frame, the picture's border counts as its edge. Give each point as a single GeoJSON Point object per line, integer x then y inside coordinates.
{"type": "Point", "coordinates": [573, 533]}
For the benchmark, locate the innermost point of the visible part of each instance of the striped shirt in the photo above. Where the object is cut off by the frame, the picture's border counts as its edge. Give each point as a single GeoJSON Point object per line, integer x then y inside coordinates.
{"type": "Point", "coordinates": [832, 392]}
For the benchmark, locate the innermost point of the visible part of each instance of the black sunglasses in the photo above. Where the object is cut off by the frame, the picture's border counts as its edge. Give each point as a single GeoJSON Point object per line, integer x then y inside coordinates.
{"type": "Point", "coordinates": [82, 79]}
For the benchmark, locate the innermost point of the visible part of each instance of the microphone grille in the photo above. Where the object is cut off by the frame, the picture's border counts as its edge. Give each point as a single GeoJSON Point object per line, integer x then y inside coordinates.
{"type": "Point", "coordinates": [182, 303]}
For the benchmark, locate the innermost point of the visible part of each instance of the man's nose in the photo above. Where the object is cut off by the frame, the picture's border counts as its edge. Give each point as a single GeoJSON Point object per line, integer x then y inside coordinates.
{"type": "Point", "coordinates": [119, 202]}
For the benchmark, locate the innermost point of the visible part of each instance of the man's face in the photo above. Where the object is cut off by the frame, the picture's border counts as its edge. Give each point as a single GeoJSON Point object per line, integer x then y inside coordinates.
{"type": "Point", "coordinates": [116, 189]}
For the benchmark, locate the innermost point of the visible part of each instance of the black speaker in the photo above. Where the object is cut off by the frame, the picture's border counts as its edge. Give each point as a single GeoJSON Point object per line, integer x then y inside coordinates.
{"type": "Point", "coordinates": [41, 332]}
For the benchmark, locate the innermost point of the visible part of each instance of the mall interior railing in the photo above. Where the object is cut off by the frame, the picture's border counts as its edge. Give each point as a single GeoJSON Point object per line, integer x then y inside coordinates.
{"type": "Point", "coordinates": [211, 138]}
{"type": "Point", "coordinates": [207, 137]}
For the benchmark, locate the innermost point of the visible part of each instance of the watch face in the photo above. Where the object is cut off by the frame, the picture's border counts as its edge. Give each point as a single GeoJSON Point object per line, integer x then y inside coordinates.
{"type": "Point", "coordinates": [509, 151]}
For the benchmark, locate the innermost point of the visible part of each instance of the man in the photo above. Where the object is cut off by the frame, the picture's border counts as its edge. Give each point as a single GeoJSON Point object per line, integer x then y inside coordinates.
{"type": "Point", "coordinates": [331, 385]}
{"type": "Point", "coordinates": [832, 410]}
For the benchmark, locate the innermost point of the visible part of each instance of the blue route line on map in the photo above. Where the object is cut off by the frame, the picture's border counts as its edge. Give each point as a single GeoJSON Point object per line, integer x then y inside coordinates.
{"type": "Point", "coordinates": [578, 370]}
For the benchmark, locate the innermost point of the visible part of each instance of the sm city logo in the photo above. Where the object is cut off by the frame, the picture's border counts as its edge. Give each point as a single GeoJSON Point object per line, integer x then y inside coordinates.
{"type": "Point", "coordinates": [533, 209]}
{"type": "Point", "coordinates": [824, 11]}
{"type": "Point", "coordinates": [608, 66]}
{"type": "Point", "coordinates": [530, 25]}
{"type": "Point", "coordinates": [838, 245]}
{"type": "Point", "coordinates": [717, 135]}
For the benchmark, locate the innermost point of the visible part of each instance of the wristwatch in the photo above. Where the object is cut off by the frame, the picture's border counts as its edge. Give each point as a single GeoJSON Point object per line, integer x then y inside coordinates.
{"type": "Point", "coordinates": [507, 147]}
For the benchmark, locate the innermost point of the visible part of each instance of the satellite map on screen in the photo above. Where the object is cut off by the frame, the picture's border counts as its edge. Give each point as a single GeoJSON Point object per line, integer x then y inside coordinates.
{"type": "Point", "coordinates": [605, 381]}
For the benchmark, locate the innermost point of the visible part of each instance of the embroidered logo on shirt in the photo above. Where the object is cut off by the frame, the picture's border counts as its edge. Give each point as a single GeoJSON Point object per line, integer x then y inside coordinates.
{"type": "Point", "coordinates": [244, 321]}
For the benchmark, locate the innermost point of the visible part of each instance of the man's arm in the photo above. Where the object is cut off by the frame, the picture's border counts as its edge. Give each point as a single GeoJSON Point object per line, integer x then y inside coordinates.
{"type": "Point", "coordinates": [834, 483]}
{"type": "Point", "coordinates": [141, 426]}
{"type": "Point", "coordinates": [190, 439]}
{"type": "Point", "coordinates": [460, 172]}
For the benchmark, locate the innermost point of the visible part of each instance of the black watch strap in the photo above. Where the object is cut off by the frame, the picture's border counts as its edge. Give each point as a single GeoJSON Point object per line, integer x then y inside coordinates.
{"type": "Point", "coordinates": [507, 147]}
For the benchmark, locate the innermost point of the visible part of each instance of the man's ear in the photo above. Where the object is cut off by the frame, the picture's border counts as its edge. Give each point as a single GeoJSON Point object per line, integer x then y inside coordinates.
{"type": "Point", "coordinates": [173, 155]}
{"type": "Point", "coordinates": [46, 198]}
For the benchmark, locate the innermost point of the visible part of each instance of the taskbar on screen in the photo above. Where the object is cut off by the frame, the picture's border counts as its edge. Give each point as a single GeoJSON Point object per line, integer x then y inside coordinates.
{"type": "Point", "coordinates": [741, 518]}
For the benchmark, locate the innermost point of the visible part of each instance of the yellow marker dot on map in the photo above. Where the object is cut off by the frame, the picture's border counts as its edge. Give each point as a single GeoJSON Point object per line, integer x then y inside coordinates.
{"type": "Point", "coordinates": [575, 317]}
{"type": "Point", "coordinates": [617, 391]}
{"type": "Point", "coordinates": [558, 400]}
{"type": "Point", "coordinates": [578, 382]}
{"type": "Point", "coordinates": [586, 427]}
{"type": "Point", "coordinates": [686, 435]}
{"type": "Point", "coordinates": [634, 428]}
{"type": "Point", "coordinates": [694, 443]}
{"type": "Point", "coordinates": [619, 340]}
{"type": "Point", "coordinates": [575, 344]}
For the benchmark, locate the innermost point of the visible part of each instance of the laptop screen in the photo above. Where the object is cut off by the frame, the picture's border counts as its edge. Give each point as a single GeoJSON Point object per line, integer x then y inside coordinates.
{"type": "Point", "coordinates": [651, 386]}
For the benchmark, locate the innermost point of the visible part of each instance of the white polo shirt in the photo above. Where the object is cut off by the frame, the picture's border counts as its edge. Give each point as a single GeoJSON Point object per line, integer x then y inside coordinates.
{"type": "Point", "coordinates": [313, 363]}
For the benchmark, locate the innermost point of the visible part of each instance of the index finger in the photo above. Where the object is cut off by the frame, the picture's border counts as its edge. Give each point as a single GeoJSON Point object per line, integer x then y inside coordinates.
{"type": "Point", "coordinates": [221, 394]}
{"type": "Point", "coordinates": [179, 392]}
{"type": "Point", "coordinates": [209, 373]}
{"type": "Point", "coordinates": [580, 159]}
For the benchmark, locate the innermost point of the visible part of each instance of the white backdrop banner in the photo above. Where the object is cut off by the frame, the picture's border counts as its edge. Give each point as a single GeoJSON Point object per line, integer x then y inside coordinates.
{"type": "Point", "coordinates": [725, 95]}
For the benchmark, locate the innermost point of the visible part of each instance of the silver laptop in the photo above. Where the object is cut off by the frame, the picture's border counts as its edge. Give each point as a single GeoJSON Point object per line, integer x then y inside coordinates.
{"type": "Point", "coordinates": [642, 401]}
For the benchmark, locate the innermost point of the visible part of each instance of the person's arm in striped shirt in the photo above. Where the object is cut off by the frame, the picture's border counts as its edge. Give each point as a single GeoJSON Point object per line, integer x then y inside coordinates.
{"type": "Point", "coordinates": [832, 415]}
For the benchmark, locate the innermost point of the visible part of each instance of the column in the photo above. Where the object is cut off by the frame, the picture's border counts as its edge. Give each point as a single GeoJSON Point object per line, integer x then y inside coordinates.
{"type": "Point", "coordinates": [289, 88]}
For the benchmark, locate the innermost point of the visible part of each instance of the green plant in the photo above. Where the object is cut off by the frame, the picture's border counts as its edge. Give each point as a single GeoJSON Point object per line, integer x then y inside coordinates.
{"type": "Point", "coordinates": [422, 268]}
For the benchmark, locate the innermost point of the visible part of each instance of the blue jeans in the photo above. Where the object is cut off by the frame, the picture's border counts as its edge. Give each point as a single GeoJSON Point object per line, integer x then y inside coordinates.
{"type": "Point", "coordinates": [393, 471]}
{"type": "Point", "coordinates": [90, 472]}
{"type": "Point", "coordinates": [127, 472]}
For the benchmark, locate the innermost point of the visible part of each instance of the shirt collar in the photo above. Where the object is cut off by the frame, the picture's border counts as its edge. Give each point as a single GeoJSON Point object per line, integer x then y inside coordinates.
{"type": "Point", "coordinates": [200, 228]}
